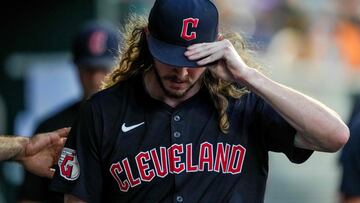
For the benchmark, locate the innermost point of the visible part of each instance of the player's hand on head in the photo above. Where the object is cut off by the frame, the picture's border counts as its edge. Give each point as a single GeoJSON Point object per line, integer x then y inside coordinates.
{"type": "Point", "coordinates": [228, 64]}
{"type": "Point", "coordinates": [42, 152]}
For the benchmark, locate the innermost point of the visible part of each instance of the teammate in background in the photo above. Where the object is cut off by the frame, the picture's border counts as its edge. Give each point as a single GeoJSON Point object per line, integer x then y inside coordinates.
{"type": "Point", "coordinates": [37, 154]}
{"type": "Point", "coordinates": [94, 51]}
{"type": "Point", "coordinates": [350, 162]}
{"type": "Point", "coordinates": [187, 117]}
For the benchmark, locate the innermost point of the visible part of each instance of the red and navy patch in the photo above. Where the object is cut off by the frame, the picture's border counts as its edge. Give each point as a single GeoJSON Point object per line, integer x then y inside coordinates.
{"type": "Point", "coordinates": [68, 164]}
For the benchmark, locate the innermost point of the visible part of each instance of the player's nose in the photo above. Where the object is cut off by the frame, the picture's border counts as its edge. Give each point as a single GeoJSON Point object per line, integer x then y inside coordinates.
{"type": "Point", "coordinates": [182, 72]}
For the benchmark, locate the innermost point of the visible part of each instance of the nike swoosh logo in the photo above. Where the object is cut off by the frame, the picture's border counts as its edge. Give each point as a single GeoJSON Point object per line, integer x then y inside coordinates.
{"type": "Point", "coordinates": [128, 128]}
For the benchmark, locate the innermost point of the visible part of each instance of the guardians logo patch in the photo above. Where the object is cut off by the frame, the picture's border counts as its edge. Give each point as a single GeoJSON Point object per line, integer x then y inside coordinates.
{"type": "Point", "coordinates": [68, 164]}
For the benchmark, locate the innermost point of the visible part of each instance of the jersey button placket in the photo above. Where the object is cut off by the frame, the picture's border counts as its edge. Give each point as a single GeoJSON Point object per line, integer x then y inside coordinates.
{"type": "Point", "coordinates": [179, 198]}
{"type": "Point", "coordinates": [177, 118]}
{"type": "Point", "coordinates": [176, 126]}
{"type": "Point", "coordinates": [177, 129]}
{"type": "Point", "coordinates": [177, 134]}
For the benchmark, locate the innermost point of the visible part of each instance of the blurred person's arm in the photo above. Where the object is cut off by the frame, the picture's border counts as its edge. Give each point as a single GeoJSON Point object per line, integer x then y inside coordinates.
{"type": "Point", "coordinates": [37, 154]}
{"type": "Point", "coordinates": [11, 147]}
{"type": "Point", "coordinates": [72, 199]}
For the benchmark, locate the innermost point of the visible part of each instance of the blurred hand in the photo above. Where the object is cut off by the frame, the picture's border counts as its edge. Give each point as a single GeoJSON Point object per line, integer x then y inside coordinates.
{"type": "Point", "coordinates": [42, 151]}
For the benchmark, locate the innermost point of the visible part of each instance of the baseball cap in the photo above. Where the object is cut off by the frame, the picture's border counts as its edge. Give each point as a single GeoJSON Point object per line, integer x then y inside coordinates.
{"type": "Point", "coordinates": [176, 24]}
{"type": "Point", "coordinates": [96, 45]}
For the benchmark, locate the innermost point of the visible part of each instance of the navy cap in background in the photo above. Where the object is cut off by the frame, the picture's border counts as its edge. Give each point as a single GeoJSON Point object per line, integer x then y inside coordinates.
{"type": "Point", "coordinates": [96, 45]}
{"type": "Point", "coordinates": [176, 24]}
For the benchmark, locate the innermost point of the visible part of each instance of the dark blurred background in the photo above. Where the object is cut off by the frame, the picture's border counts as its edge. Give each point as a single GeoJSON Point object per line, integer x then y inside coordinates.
{"type": "Point", "coordinates": [312, 46]}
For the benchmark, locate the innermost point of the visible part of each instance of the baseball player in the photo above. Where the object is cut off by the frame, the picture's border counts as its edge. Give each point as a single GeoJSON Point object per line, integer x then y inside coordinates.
{"type": "Point", "coordinates": [186, 117]}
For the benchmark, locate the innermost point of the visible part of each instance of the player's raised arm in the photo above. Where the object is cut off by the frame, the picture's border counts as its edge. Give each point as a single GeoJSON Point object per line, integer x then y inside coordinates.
{"type": "Point", "coordinates": [318, 127]}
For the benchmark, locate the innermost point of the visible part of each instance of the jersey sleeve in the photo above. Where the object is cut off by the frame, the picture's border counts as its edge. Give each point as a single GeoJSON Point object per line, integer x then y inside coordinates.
{"type": "Point", "coordinates": [79, 167]}
{"type": "Point", "coordinates": [350, 182]}
{"type": "Point", "coordinates": [279, 135]}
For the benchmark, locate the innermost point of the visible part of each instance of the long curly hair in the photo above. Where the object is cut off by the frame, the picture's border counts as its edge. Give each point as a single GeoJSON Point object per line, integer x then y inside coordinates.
{"type": "Point", "coordinates": [135, 58]}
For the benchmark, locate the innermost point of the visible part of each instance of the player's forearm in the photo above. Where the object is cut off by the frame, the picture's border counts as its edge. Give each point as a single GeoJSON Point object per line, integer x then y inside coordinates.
{"type": "Point", "coordinates": [321, 127]}
{"type": "Point", "coordinates": [11, 148]}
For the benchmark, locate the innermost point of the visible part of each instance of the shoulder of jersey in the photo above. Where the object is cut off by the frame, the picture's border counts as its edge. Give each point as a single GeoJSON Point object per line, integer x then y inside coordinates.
{"type": "Point", "coordinates": [116, 91]}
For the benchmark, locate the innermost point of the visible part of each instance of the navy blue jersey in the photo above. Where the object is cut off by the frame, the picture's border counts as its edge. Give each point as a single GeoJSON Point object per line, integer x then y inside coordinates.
{"type": "Point", "coordinates": [350, 160]}
{"type": "Point", "coordinates": [129, 147]}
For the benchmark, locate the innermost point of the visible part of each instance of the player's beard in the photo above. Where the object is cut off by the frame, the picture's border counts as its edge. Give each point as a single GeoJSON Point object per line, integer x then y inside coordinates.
{"type": "Point", "coordinates": [173, 94]}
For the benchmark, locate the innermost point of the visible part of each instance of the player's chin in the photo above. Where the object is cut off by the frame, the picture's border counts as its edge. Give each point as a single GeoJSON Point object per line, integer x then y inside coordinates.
{"type": "Point", "coordinates": [175, 92]}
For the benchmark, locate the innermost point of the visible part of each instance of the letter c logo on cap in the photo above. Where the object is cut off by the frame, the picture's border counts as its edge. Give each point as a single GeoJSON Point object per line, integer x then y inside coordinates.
{"type": "Point", "coordinates": [184, 31]}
